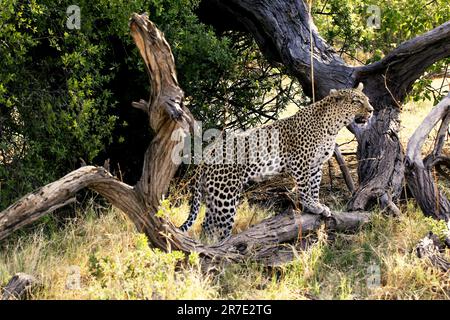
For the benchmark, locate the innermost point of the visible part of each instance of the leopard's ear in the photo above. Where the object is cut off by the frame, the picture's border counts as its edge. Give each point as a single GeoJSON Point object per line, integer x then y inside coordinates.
{"type": "Point", "coordinates": [360, 86]}
{"type": "Point", "coordinates": [333, 92]}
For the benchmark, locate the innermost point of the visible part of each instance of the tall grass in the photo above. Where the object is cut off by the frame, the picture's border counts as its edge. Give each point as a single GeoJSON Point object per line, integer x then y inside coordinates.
{"type": "Point", "coordinates": [113, 261]}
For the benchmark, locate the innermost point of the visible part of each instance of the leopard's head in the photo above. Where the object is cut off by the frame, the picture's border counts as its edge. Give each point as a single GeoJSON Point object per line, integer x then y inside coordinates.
{"type": "Point", "coordinates": [355, 102]}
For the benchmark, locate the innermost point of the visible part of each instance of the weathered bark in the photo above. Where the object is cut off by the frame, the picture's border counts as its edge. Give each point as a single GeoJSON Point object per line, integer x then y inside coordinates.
{"type": "Point", "coordinates": [430, 248]}
{"type": "Point", "coordinates": [394, 75]}
{"type": "Point", "coordinates": [419, 172]}
{"type": "Point", "coordinates": [380, 167]}
{"type": "Point", "coordinates": [62, 192]}
{"type": "Point", "coordinates": [282, 30]}
{"type": "Point", "coordinates": [19, 287]}
{"type": "Point", "coordinates": [265, 242]}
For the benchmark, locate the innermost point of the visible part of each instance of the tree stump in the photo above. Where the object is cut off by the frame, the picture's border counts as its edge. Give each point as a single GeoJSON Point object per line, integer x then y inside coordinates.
{"type": "Point", "coordinates": [19, 287]}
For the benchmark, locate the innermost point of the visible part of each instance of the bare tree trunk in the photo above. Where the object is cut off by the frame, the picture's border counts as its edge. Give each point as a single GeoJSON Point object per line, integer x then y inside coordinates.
{"type": "Point", "coordinates": [282, 30]}
{"type": "Point", "coordinates": [265, 242]}
{"type": "Point", "coordinates": [19, 287]}
{"type": "Point", "coordinates": [419, 172]}
{"type": "Point", "coordinates": [380, 163]}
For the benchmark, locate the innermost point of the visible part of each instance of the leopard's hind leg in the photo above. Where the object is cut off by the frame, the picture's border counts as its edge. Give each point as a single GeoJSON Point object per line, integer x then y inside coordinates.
{"type": "Point", "coordinates": [220, 212]}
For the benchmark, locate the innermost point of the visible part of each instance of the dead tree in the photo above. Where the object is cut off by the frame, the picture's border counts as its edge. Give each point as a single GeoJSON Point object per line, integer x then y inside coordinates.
{"type": "Point", "coordinates": [421, 180]}
{"type": "Point", "coordinates": [268, 242]}
{"type": "Point", "coordinates": [419, 172]}
{"type": "Point", "coordinates": [282, 30]}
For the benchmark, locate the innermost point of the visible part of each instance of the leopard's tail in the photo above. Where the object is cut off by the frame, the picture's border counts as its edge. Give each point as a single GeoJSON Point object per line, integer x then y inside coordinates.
{"type": "Point", "coordinates": [195, 205]}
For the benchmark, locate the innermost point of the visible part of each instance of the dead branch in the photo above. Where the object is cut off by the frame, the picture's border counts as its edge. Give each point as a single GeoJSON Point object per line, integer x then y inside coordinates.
{"type": "Point", "coordinates": [344, 169]}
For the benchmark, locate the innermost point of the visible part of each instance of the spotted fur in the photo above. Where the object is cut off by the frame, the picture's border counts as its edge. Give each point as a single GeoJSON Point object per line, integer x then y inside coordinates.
{"type": "Point", "coordinates": [306, 140]}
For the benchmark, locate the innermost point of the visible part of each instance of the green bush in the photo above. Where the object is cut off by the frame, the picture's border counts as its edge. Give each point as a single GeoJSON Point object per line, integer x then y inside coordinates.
{"type": "Point", "coordinates": [62, 91]}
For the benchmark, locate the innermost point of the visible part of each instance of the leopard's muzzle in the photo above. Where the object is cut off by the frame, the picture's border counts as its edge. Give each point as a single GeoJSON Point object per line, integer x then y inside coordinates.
{"type": "Point", "coordinates": [362, 119]}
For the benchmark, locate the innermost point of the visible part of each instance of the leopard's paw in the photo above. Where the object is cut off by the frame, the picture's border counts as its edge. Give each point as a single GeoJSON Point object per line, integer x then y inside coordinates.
{"type": "Point", "coordinates": [326, 212]}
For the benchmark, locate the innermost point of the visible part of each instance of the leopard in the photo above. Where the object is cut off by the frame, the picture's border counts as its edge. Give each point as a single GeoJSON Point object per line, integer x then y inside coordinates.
{"type": "Point", "coordinates": [298, 145]}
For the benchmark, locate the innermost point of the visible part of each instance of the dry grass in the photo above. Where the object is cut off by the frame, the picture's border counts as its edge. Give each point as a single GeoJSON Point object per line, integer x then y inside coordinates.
{"type": "Point", "coordinates": [115, 262]}
{"type": "Point", "coordinates": [112, 259]}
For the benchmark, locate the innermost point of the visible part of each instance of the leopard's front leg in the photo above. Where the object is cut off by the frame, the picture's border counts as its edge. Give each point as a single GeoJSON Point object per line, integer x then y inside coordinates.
{"type": "Point", "coordinates": [315, 179]}
{"type": "Point", "coordinates": [308, 191]}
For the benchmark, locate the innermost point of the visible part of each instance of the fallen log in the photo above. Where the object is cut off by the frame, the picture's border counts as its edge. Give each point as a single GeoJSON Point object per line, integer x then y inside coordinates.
{"type": "Point", "coordinates": [261, 242]}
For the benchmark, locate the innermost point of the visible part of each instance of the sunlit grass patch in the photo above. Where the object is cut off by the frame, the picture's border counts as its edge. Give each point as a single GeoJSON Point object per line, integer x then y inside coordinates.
{"type": "Point", "coordinates": [110, 259]}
